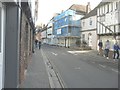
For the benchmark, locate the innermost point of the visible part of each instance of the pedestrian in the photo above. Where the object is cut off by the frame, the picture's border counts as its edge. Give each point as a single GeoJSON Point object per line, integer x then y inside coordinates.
{"type": "Point", "coordinates": [39, 44]}
{"type": "Point", "coordinates": [116, 50]}
{"type": "Point", "coordinates": [107, 47]}
{"type": "Point", "coordinates": [100, 44]}
{"type": "Point", "coordinates": [36, 42]}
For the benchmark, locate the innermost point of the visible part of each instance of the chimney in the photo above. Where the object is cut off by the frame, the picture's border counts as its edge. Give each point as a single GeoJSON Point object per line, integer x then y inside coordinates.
{"type": "Point", "coordinates": [62, 11]}
{"type": "Point", "coordinates": [88, 7]}
{"type": "Point", "coordinates": [55, 14]}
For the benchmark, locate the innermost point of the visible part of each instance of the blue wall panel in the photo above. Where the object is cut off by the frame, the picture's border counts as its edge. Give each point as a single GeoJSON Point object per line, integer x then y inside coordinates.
{"type": "Point", "coordinates": [67, 24]}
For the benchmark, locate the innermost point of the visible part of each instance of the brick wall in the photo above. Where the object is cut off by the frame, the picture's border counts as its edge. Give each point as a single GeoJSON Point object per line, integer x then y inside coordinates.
{"type": "Point", "coordinates": [25, 46]}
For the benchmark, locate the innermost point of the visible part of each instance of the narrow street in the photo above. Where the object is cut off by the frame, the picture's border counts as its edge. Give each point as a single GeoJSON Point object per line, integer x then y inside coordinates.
{"type": "Point", "coordinates": [59, 44]}
{"type": "Point", "coordinates": [82, 69]}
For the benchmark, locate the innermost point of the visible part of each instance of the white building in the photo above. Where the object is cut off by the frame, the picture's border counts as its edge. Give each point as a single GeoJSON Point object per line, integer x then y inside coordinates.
{"type": "Point", "coordinates": [108, 21]}
{"type": "Point", "coordinates": [49, 32]}
{"type": "Point", "coordinates": [88, 32]}
{"type": "Point", "coordinates": [44, 36]}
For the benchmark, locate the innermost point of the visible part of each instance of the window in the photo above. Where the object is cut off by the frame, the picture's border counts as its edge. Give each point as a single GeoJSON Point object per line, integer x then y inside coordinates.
{"type": "Point", "coordinates": [107, 8]}
{"type": "Point", "coordinates": [116, 5]}
{"type": "Point", "coordinates": [111, 7]}
{"type": "Point", "coordinates": [90, 21]}
{"type": "Point", "coordinates": [69, 29]}
{"type": "Point", "coordinates": [98, 12]}
{"type": "Point", "coordinates": [117, 28]}
{"type": "Point", "coordinates": [83, 23]}
{"type": "Point", "coordinates": [83, 36]}
{"type": "Point", "coordinates": [103, 9]}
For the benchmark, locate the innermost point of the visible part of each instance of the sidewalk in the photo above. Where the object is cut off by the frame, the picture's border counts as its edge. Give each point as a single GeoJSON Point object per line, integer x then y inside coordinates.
{"type": "Point", "coordinates": [36, 75]}
{"type": "Point", "coordinates": [95, 52]}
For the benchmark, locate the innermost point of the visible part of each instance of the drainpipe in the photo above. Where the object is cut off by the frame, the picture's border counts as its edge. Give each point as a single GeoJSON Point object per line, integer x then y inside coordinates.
{"type": "Point", "coordinates": [65, 41]}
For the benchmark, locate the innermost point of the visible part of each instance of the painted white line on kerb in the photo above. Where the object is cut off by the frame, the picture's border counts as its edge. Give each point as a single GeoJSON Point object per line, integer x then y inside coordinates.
{"type": "Point", "coordinates": [114, 70]}
{"type": "Point", "coordinates": [102, 66]}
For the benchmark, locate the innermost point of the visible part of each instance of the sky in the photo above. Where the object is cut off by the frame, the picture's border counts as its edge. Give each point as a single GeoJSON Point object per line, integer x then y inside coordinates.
{"type": "Point", "coordinates": [48, 7]}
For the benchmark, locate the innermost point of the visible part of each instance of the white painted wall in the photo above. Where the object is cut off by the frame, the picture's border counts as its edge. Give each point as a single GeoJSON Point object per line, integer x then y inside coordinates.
{"type": "Point", "coordinates": [43, 34]}
{"type": "Point", "coordinates": [110, 18]}
{"type": "Point", "coordinates": [87, 28]}
{"type": "Point", "coordinates": [86, 23]}
{"type": "Point", "coordinates": [93, 38]}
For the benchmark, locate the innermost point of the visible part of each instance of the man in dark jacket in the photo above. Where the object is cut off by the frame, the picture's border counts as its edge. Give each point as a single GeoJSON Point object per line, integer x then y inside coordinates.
{"type": "Point", "coordinates": [100, 44]}
{"type": "Point", "coordinates": [116, 50]}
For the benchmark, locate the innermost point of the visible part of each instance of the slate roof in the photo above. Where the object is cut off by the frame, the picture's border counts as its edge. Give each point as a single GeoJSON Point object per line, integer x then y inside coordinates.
{"type": "Point", "coordinates": [91, 13]}
{"type": "Point", "coordinates": [94, 11]}
{"type": "Point", "coordinates": [78, 8]}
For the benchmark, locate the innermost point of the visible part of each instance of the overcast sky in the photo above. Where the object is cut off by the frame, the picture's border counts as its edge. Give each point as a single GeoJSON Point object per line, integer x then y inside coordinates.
{"type": "Point", "coordinates": [48, 7]}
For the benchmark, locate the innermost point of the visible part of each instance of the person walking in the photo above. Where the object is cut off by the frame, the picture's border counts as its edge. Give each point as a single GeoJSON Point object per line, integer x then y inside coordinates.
{"type": "Point", "coordinates": [116, 50]}
{"type": "Point", "coordinates": [39, 44]}
{"type": "Point", "coordinates": [107, 47]}
{"type": "Point", "coordinates": [100, 44]}
{"type": "Point", "coordinates": [36, 42]}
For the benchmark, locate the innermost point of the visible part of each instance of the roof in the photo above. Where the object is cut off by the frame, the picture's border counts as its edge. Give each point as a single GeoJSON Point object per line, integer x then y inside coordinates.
{"type": "Point", "coordinates": [78, 8]}
{"type": "Point", "coordinates": [102, 3]}
{"type": "Point", "coordinates": [94, 11]}
{"type": "Point", "coordinates": [91, 13]}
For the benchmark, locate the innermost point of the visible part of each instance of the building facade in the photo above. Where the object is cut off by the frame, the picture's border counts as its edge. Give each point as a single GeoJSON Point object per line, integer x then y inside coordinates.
{"type": "Point", "coordinates": [67, 26]}
{"type": "Point", "coordinates": [108, 22]}
{"type": "Point", "coordinates": [16, 32]}
{"type": "Point", "coordinates": [89, 28]}
{"type": "Point", "coordinates": [44, 35]}
{"type": "Point", "coordinates": [50, 36]}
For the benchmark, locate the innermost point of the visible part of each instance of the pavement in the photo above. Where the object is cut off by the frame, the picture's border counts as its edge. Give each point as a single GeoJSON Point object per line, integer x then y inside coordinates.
{"type": "Point", "coordinates": [95, 53]}
{"type": "Point", "coordinates": [36, 75]}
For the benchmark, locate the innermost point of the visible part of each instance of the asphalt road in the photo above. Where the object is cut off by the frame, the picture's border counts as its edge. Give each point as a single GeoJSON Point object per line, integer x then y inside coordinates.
{"type": "Point", "coordinates": [82, 69]}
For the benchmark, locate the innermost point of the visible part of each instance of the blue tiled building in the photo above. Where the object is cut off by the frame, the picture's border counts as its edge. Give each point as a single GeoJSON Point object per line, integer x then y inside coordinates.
{"type": "Point", "coordinates": [67, 26]}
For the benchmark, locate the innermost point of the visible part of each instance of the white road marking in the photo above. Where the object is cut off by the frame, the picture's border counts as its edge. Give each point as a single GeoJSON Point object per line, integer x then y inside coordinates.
{"type": "Point", "coordinates": [77, 68]}
{"type": "Point", "coordinates": [102, 66]}
{"type": "Point", "coordinates": [75, 54]}
{"type": "Point", "coordinates": [93, 62]}
{"type": "Point", "coordinates": [54, 53]}
{"type": "Point", "coordinates": [114, 70]}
